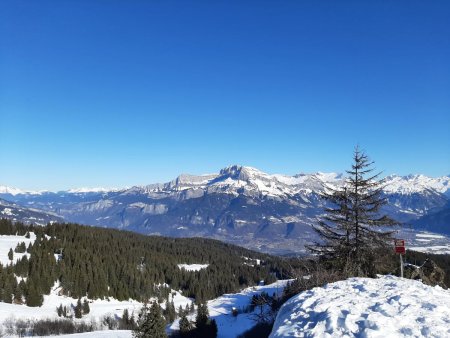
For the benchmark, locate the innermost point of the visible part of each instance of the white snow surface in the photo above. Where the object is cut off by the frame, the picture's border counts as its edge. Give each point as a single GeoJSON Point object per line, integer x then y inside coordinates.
{"type": "Point", "coordinates": [193, 267]}
{"type": "Point", "coordinates": [10, 242]}
{"type": "Point", "coordinates": [416, 184]}
{"type": "Point", "coordinates": [7, 212]}
{"type": "Point", "coordinates": [434, 249]}
{"type": "Point", "coordinates": [9, 190]}
{"type": "Point", "coordinates": [95, 334]}
{"type": "Point", "coordinates": [98, 309]}
{"type": "Point", "coordinates": [87, 190]}
{"type": "Point", "coordinates": [429, 235]}
{"type": "Point", "coordinates": [220, 309]}
{"type": "Point", "coordinates": [387, 306]}
{"type": "Point", "coordinates": [16, 191]}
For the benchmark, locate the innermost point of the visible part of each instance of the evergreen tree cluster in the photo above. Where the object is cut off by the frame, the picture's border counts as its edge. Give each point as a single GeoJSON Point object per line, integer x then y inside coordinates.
{"type": "Point", "coordinates": [150, 322]}
{"type": "Point", "coordinates": [12, 290]}
{"type": "Point", "coordinates": [20, 248]}
{"type": "Point", "coordinates": [204, 326]}
{"type": "Point", "coordinates": [96, 263]}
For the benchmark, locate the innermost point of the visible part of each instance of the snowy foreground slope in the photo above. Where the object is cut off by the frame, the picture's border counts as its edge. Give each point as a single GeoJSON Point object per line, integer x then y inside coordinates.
{"type": "Point", "coordinates": [362, 307]}
{"type": "Point", "coordinates": [220, 309]}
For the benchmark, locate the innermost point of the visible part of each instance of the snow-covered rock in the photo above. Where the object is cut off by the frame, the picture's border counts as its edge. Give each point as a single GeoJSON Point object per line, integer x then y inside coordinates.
{"type": "Point", "coordinates": [363, 307]}
{"type": "Point", "coordinates": [416, 184]}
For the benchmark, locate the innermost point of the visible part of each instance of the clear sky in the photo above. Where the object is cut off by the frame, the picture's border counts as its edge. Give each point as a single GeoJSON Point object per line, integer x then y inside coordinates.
{"type": "Point", "coordinates": [117, 93]}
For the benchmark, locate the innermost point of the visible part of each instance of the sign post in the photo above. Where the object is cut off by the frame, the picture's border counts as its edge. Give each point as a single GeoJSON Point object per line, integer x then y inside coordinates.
{"type": "Point", "coordinates": [400, 249]}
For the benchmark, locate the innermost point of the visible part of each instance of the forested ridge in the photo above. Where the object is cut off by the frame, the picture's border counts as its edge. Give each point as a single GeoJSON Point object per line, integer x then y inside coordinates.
{"type": "Point", "coordinates": [98, 263]}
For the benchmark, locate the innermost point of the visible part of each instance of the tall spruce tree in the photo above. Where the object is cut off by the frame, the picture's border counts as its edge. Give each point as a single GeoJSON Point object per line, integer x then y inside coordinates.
{"type": "Point", "coordinates": [202, 316]}
{"type": "Point", "coordinates": [205, 327]}
{"type": "Point", "coordinates": [150, 323]}
{"type": "Point", "coordinates": [86, 308]}
{"type": "Point", "coordinates": [353, 229]}
{"type": "Point", "coordinates": [78, 309]}
{"type": "Point", "coordinates": [33, 297]}
{"type": "Point", "coordinates": [185, 326]}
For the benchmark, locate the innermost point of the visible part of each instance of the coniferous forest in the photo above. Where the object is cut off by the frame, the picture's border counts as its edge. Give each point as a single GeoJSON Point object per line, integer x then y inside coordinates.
{"type": "Point", "coordinates": [98, 263]}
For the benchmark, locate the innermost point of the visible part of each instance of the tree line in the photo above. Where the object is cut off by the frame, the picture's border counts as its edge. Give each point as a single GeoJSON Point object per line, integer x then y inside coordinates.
{"type": "Point", "coordinates": [96, 263]}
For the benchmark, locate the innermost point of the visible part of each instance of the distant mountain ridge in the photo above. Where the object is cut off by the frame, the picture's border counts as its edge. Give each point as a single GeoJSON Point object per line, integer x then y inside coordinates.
{"type": "Point", "coordinates": [239, 204]}
{"type": "Point", "coordinates": [237, 176]}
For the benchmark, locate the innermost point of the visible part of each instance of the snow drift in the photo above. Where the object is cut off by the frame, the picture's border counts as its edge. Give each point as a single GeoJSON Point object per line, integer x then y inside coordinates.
{"type": "Point", "coordinates": [362, 307]}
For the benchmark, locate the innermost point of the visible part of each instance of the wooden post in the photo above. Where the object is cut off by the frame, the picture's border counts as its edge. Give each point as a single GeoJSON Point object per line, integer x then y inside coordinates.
{"type": "Point", "coordinates": [400, 249]}
{"type": "Point", "coordinates": [401, 266]}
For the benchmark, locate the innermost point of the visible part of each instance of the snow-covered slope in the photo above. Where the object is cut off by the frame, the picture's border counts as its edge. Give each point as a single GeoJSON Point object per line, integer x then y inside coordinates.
{"type": "Point", "coordinates": [362, 307]}
{"type": "Point", "coordinates": [99, 308]}
{"type": "Point", "coordinates": [220, 309]}
{"type": "Point", "coordinates": [416, 184]}
{"type": "Point", "coordinates": [10, 242]}
{"type": "Point", "coordinates": [192, 267]}
{"type": "Point", "coordinates": [89, 190]}
{"type": "Point", "coordinates": [12, 191]}
{"type": "Point", "coordinates": [97, 334]}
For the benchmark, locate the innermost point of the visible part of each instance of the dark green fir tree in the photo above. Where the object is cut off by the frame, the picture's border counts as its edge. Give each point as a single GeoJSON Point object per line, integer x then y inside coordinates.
{"type": "Point", "coordinates": [150, 323]}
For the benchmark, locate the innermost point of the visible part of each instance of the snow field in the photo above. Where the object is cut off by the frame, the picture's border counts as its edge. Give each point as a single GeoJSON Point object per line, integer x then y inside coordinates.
{"type": "Point", "coordinates": [429, 235]}
{"type": "Point", "coordinates": [10, 242]}
{"type": "Point", "coordinates": [220, 308]}
{"type": "Point", "coordinates": [193, 267]}
{"type": "Point", "coordinates": [95, 334]}
{"type": "Point", "coordinates": [99, 308]}
{"type": "Point", "coordinates": [363, 307]}
{"type": "Point", "coordinates": [434, 249]}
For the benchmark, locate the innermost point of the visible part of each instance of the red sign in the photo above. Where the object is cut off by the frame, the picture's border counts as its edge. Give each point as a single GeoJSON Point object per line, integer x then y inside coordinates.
{"type": "Point", "coordinates": [400, 246]}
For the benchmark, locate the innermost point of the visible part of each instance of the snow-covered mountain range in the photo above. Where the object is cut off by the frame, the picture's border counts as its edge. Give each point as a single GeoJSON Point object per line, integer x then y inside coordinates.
{"type": "Point", "coordinates": [236, 177]}
{"type": "Point", "coordinates": [239, 204]}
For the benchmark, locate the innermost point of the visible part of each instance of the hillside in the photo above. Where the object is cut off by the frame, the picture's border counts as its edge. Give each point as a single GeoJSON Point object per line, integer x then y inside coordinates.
{"type": "Point", "coordinates": [362, 307]}
{"type": "Point", "coordinates": [100, 263]}
{"type": "Point", "coordinates": [219, 309]}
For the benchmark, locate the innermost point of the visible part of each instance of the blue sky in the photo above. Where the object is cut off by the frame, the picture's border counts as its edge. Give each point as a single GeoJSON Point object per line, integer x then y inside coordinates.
{"type": "Point", "coordinates": [118, 93]}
